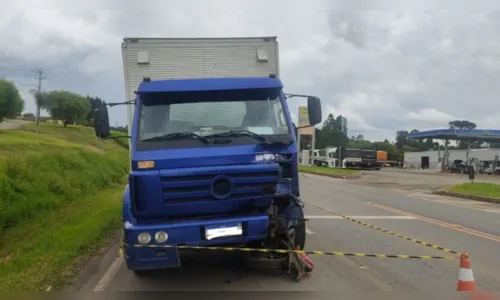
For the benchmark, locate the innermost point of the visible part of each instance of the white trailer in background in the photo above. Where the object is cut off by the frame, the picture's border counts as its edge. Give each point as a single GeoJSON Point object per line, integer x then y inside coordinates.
{"type": "Point", "coordinates": [325, 157]}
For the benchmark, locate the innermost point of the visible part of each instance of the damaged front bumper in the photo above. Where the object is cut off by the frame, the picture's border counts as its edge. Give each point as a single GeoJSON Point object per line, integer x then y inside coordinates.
{"type": "Point", "coordinates": [209, 232]}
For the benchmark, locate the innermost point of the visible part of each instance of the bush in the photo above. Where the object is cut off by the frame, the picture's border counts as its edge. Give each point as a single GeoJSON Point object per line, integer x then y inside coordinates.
{"type": "Point", "coordinates": [66, 106]}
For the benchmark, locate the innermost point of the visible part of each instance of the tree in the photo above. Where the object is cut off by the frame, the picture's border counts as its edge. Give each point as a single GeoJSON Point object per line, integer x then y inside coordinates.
{"type": "Point", "coordinates": [464, 124]}
{"type": "Point", "coordinates": [66, 106]}
{"type": "Point", "coordinates": [401, 138]}
{"type": "Point", "coordinates": [403, 141]}
{"type": "Point", "coordinates": [333, 132]}
{"type": "Point", "coordinates": [11, 103]}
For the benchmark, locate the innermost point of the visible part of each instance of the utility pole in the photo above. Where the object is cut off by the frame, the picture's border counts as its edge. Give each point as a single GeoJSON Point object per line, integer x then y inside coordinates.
{"type": "Point", "coordinates": [38, 97]}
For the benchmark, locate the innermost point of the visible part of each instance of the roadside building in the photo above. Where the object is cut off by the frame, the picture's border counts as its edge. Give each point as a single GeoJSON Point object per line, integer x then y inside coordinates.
{"type": "Point", "coordinates": [433, 159]}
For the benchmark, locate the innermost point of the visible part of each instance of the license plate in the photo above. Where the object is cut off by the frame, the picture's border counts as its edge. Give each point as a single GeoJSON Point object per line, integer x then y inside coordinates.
{"type": "Point", "coordinates": [227, 230]}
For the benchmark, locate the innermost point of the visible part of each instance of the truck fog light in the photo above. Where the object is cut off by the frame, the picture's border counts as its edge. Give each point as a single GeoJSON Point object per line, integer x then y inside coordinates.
{"type": "Point", "coordinates": [144, 238]}
{"type": "Point", "coordinates": [161, 236]}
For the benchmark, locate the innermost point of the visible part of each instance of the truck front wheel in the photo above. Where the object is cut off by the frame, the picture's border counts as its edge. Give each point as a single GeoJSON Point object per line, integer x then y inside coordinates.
{"type": "Point", "coordinates": [300, 231]}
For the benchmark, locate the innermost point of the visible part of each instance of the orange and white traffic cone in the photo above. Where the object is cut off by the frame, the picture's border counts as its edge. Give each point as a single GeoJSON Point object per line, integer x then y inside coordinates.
{"type": "Point", "coordinates": [466, 281]}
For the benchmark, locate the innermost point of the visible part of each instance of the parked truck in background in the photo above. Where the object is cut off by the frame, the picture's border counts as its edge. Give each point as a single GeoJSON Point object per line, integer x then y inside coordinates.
{"type": "Point", "coordinates": [350, 158]}
{"type": "Point", "coordinates": [369, 160]}
{"type": "Point", "coordinates": [213, 149]}
{"type": "Point", "coordinates": [382, 156]}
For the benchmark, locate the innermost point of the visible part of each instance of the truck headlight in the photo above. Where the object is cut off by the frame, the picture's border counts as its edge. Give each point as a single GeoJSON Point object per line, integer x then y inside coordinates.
{"type": "Point", "coordinates": [144, 238]}
{"type": "Point", "coordinates": [161, 236]}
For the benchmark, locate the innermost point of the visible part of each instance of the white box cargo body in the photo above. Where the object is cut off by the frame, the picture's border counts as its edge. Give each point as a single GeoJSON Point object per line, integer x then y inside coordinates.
{"type": "Point", "coordinates": [180, 58]}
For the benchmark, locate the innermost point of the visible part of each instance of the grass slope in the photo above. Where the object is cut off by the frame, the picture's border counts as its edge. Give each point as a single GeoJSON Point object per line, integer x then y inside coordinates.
{"type": "Point", "coordinates": [60, 195]}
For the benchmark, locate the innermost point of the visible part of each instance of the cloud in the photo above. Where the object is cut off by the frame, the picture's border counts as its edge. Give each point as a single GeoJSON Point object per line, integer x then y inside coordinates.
{"type": "Point", "coordinates": [429, 116]}
{"type": "Point", "coordinates": [383, 70]}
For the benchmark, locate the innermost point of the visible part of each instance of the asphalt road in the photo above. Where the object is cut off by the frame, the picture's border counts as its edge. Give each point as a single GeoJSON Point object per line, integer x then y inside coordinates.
{"type": "Point", "coordinates": [405, 209]}
{"type": "Point", "coordinates": [12, 124]}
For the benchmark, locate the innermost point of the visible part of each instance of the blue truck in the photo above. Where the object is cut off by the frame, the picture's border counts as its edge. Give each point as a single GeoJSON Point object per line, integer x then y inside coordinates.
{"type": "Point", "coordinates": [213, 158]}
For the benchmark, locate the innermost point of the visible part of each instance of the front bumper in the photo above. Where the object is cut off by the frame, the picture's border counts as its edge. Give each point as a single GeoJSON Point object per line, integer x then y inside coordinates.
{"type": "Point", "coordinates": [185, 233]}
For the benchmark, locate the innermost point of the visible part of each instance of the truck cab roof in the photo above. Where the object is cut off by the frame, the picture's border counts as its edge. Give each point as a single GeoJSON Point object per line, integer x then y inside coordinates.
{"type": "Point", "coordinates": [208, 84]}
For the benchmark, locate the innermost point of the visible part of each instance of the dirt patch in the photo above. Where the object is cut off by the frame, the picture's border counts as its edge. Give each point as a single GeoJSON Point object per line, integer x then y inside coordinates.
{"type": "Point", "coordinates": [6, 259]}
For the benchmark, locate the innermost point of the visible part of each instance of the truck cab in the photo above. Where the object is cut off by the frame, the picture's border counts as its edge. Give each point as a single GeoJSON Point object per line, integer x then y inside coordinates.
{"type": "Point", "coordinates": [213, 162]}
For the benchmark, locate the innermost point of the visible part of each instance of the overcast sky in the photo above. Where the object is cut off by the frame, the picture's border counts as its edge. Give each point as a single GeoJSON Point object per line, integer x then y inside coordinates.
{"type": "Point", "coordinates": [383, 70]}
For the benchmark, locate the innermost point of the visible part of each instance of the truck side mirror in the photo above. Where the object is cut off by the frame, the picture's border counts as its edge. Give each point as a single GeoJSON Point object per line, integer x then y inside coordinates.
{"type": "Point", "coordinates": [314, 110]}
{"type": "Point", "coordinates": [101, 122]}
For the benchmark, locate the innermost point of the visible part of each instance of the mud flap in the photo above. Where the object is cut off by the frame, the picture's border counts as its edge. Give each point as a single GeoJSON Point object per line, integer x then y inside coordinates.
{"type": "Point", "coordinates": [298, 264]}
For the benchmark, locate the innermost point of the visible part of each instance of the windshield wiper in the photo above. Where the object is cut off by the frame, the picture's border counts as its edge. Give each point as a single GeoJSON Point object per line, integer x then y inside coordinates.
{"type": "Point", "coordinates": [176, 135]}
{"type": "Point", "coordinates": [256, 136]}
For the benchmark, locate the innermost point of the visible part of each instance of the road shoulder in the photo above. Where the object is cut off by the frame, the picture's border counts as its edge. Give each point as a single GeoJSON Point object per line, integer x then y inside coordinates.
{"type": "Point", "coordinates": [94, 272]}
{"type": "Point", "coordinates": [12, 124]}
{"type": "Point", "coordinates": [330, 172]}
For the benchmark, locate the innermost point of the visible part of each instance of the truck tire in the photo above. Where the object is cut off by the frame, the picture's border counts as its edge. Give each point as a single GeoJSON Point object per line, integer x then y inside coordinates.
{"type": "Point", "coordinates": [300, 231]}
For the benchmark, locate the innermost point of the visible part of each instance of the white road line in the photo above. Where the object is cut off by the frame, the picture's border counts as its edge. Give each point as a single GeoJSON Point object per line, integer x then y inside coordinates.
{"type": "Point", "coordinates": [109, 275]}
{"type": "Point", "coordinates": [309, 231]}
{"type": "Point", "coordinates": [364, 217]}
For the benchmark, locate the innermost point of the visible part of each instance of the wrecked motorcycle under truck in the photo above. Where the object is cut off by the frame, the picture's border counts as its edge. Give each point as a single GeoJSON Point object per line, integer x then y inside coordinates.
{"type": "Point", "coordinates": [213, 164]}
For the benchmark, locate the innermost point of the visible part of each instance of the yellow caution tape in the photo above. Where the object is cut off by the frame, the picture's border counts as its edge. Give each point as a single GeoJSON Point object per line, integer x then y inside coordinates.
{"type": "Point", "coordinates": [284, 251]}
{"type": "Point", "coordinates": [387, 231]}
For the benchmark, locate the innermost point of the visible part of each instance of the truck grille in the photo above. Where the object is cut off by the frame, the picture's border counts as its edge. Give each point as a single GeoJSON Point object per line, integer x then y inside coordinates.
{"type": "Point", "coordinates": [196, 188]}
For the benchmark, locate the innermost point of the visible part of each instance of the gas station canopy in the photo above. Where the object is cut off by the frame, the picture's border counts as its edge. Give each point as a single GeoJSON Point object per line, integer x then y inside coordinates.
{"type": "Point", "coordinates": [484, 135]}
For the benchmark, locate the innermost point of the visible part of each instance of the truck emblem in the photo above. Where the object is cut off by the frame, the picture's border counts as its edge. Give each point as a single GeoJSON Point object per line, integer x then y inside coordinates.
{"type": "Point", "coordinates": [221, 187]}
{"type": "Point", "coordinates": [265, 157]}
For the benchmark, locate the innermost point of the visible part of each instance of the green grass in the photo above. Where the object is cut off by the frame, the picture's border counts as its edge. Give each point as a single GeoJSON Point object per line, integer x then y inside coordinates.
{"type": "Point", "coordinates": [477, 189]}
{"type": "Point", "coordinates": [328, 171]}
{"type": "Point", "coordinates": [60, 193]}
{"type": "Point", "coordinates": [48, 250]}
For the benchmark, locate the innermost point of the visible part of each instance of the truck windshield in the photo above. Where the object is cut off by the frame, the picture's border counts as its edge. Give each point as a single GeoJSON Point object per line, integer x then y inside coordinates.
{"type": "Point", "coordinates": [352, 153]}
{"type": "Point", "coordinates": [212, 113]}
{"type": "Point", "coordinates": [369, 154]}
